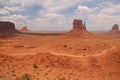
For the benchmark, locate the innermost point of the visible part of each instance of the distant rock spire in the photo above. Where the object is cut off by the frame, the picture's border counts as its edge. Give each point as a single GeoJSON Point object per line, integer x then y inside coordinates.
{"type": "Point", "coordinates": [24, 28]}
{"type": "Point", "coordinates": [115, 28]}
{"type": "Point", "coordinates": [84, 24]}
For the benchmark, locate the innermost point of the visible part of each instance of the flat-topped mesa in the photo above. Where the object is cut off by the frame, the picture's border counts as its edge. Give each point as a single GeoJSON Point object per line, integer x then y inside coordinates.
{"type": "Point", "coordinates": [7, 27]}
{"type": "Point", "coordinates": [77, 24]}
{"type": "Point", "coordinates": [115, 28]}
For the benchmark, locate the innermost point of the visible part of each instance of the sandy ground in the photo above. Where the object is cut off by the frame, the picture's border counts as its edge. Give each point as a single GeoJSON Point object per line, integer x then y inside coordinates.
{"type": "Point", "coordinates": [60, 57]}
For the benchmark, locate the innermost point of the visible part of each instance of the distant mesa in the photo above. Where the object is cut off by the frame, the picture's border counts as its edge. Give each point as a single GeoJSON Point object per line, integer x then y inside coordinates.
{"type": "Point", "coordinates": [115, 28]}
{"type": "Point", "coordinates": [7, 27]}
{"type": "Point", "coordinates": [24, 28]}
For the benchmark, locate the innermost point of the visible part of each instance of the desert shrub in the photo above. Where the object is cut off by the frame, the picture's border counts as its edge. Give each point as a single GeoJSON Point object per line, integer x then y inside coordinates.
{"type": "Point", "coordinates": [14, 74]}
{"type": "Point", "coordinates": [46, 73]}
{"type": "Point", "coordinates": [12, 70]}
{"type": "Point", "coordinates": [35, 66]}
{"type": "Point", "coordinates": [50, 70]}
{"type": "Point", "coordinates": [65, 45]}
{"type": "Point", "coordinates": [0, 76]}
{"type": "Point", "coordinates": [26, 77]}
{"type": "Point", "coordinates": [17, 78]}
{"type": "Point", "coordinates": [47, 66]}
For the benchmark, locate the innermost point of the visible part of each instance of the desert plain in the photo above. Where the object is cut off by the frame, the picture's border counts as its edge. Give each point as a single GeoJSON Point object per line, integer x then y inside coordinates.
{"type": "Point", "coordinates": [72, 55]}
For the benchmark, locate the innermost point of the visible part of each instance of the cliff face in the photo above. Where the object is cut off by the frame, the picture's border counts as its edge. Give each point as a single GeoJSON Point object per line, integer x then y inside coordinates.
{"type": "Point", "coordinates": [7, 27]}
{"type": "Point", "coordinates": [77, 24]}
{"type": "Point", "coordinates": [79, 29]}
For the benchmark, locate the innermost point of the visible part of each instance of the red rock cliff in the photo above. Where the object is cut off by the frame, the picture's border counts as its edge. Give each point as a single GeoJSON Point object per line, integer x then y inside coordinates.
{"type": "Point", "coordinates": [77, 24]}
{"type": "Point", "coordinates": [7, 27]}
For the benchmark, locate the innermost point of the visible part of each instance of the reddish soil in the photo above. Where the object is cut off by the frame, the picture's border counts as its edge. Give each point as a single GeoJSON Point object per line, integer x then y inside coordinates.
{"type": "Point", "coordinates": [61, 57]}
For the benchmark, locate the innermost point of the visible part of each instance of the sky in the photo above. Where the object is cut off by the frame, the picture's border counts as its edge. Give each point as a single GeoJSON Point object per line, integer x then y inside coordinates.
{"type": "Point", "coordinates": [58, 15]}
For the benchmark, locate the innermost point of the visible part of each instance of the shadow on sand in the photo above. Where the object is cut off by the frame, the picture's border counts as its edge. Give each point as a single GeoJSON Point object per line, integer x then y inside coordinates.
{"type": "Point", "coordinates": [44, 34]}
{"type": "Point", "coordinates": [8, 35]}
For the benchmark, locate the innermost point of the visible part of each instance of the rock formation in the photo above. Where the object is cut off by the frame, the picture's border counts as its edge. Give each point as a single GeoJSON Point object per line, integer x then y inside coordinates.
{"type": "Point", "coordinates": [7, 27]}
{"type": "Point", "coordinates": [115, 28]}
{"type": "Point", "coordinates": [79, 29]}
{"type": "Point", "coordinates": [24, 28]}
{"type": "Point", "coordinates": [77, 24]}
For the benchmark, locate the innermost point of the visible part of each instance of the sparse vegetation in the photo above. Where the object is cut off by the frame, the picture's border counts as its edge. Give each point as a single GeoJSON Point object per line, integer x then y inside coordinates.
{"type": "Point", "coordinates": [65, 45]}
{"type": "Point", "coordinates": [0, 76]}
{"type": "Point", "coordinates": [26, 77]}
{"type": "Point", "coordinates": [35, 66]}
{"type": "Point", "coordinates": [14, 75]}
{"type": "Point", "coordinates": [65, 58]}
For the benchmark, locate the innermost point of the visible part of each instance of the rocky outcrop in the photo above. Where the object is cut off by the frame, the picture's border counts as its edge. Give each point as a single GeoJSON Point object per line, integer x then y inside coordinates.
{"type": "Point", "coordinates": [7, 27]}
{"type": "Point", "coordinates": [115, 28]}
{"type": "Point", "coordinates": [24, 28]}
{"type": "Point", "coordinates": [77, 24]}
{"type": "Point", "coordinates": [79, 29]}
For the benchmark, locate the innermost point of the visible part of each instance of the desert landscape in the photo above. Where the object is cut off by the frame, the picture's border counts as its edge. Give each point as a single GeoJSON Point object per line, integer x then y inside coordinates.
{"type": "Point", "coordinates": [77, 54]}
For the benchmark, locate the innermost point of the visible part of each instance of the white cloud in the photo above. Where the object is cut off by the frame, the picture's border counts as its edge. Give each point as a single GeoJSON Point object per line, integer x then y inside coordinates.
{"type": "Point", "coordinates": [101, 17]}
{"type": "Point", "coordinates": [3, 2]}
{"type": "Point", "coordinates": [102, 22]}
{"type": "Point", "coordinates": [7, 10]}
{"type": "Point", "coordinates": [3, 11]}
{"type": "Point", "coordinates": [50, 17]}
{"type": "Point", "coordinates": [14, 9]}
{"type": "Point", "coordinates": [19, 20]}
{"type": "Point", "coordinates": [59, 5]}
{"type": "Point", "coordinates": [54, 15]}
{"type": "Point", "coordinates": [23, 3]}
{"type": "Point", "coordinates": [50, 21]}
{"type": "Point", "coordinates": [83, 9]}
{"type": "Point", "coordinates": [15, 17]}
{"type": "Point", "coordinates": [112, 10]}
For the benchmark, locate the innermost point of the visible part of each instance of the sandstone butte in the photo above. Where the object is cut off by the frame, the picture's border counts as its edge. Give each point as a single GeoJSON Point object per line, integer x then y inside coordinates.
{"type": "Point", "coordinates": [79, 29]}
{"type": "Point", "coordinates": [7, 27]}
{"type": "Point", "coordinates": [24, 28]}
{"type": "Point", "coordinates": [115, 29]}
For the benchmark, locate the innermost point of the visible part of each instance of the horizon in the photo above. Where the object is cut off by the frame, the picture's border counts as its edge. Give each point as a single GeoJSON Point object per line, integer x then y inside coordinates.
{"type": "Point", "coordinates": [56, 15]}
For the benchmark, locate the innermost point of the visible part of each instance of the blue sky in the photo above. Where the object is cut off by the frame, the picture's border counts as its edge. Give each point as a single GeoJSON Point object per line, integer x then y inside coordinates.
{"type": "Point", "coordinates": [58, 15]}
